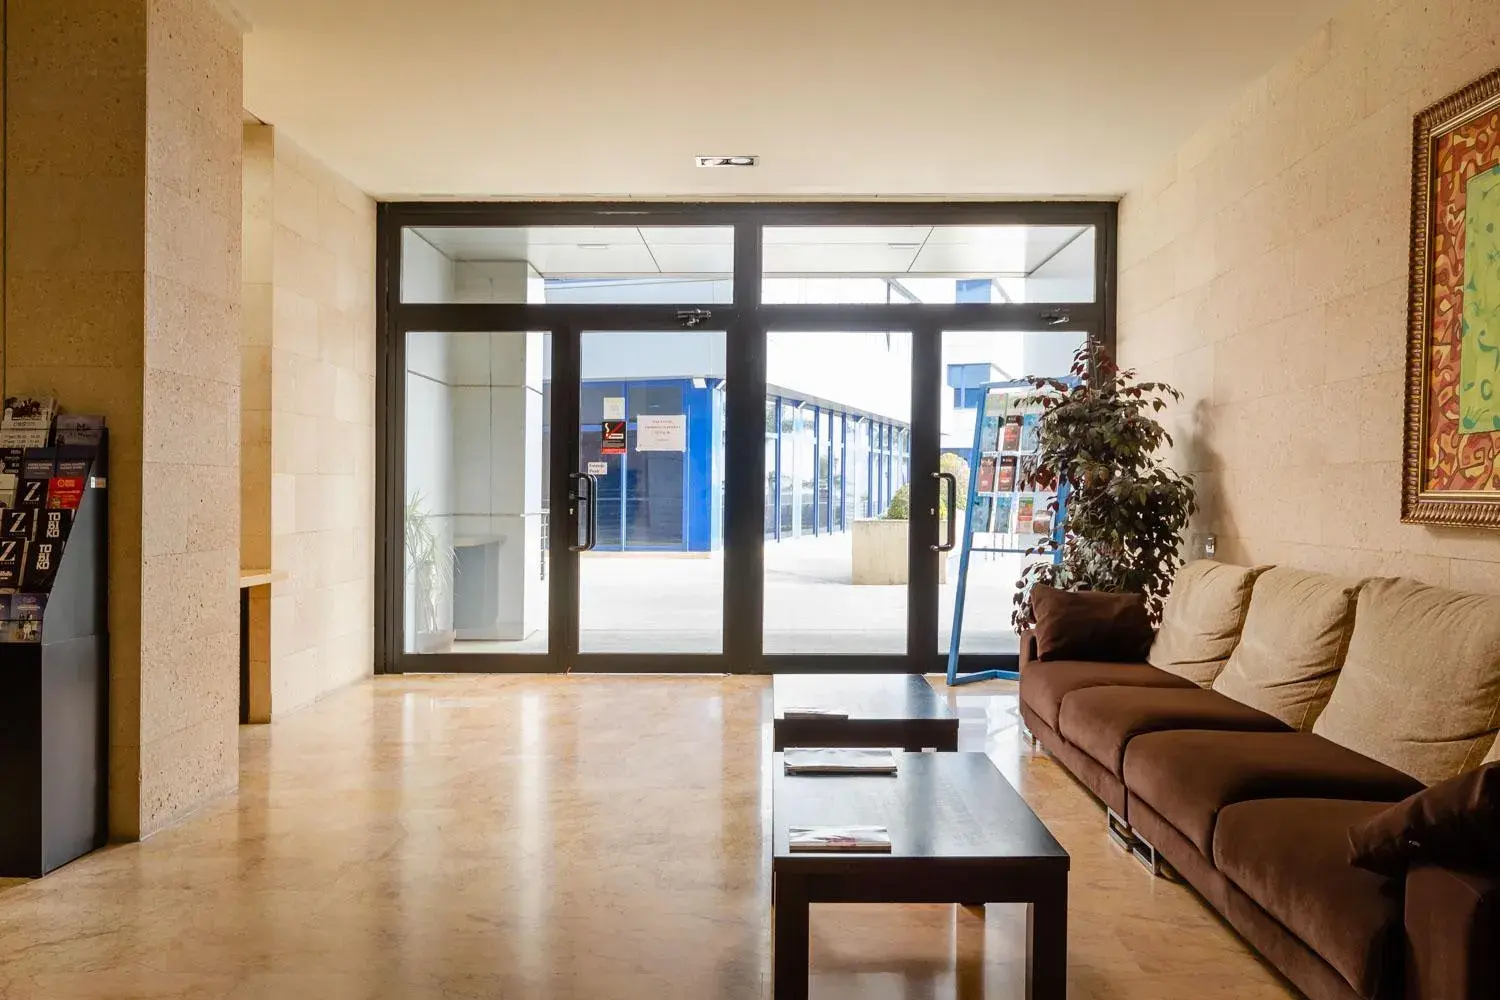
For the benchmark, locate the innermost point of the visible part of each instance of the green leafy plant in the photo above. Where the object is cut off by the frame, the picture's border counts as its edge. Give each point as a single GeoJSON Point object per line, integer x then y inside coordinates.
{"type": "Point", "coordinates": [900, 506]}
{"type": "Point", "coordinates": [1126, 510]}
{"type": "Point", "coordinates": [429, 562]}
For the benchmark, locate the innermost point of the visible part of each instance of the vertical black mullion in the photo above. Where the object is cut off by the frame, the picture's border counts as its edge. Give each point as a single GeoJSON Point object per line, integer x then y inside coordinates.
{"type": "Point", "coordinates": [390, 451]}
{"type": "Point", "coordinates": [926, 420]}
{"type": "Point", "coordinates": [745, 459]}
{"type": "Point", "coordinates": [562, 531]}
{"type": "Point", "coordinates": [1106, 281]}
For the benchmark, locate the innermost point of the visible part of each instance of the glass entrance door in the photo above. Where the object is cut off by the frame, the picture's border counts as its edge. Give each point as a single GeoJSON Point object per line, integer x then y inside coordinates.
{"type": "Point", "coordinates": [650, 478]}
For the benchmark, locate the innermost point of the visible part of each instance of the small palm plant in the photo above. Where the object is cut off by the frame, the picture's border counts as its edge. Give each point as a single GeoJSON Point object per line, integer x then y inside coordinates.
{"type": "Point", "coordinates": [1126, 510]}
{"type": "Point", "coordinates": [429, 563]}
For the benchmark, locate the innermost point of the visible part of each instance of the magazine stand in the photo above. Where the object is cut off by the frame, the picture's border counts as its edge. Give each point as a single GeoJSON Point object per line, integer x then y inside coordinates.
{"type": "Point", "coordinates": [987, 454]}
{"type": "Point", "coordinates": [54, 745]}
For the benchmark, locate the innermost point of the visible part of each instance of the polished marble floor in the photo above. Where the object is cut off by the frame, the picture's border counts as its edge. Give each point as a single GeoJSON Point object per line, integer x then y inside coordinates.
{"type": "Point", "coordinates": [570, 838]}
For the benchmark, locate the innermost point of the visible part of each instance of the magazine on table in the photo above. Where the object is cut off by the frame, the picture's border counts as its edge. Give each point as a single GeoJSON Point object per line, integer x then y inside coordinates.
{"type": "Point", "coordinates": [839, 839]}
{"type": "Point", "coordinates": [812, 712]}
{"type": "Point", "coordinates": [818, 760]}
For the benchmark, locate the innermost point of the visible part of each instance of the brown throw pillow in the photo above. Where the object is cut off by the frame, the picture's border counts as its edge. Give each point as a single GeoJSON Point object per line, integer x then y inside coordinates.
{"type": "Point", "coordinates": [1088, 625]}
{"type": "Point", "coordinates": [1455, 823]}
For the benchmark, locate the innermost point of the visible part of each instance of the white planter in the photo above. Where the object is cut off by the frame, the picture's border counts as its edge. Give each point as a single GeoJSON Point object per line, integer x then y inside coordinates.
{"type": "Point", "coordinates": [880, 554]}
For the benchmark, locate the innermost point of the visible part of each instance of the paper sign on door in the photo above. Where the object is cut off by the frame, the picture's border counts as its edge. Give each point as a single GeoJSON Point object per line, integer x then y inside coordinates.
{"type": "Point", "coordinates": [598, 468]}
{"type": "Point", "coordinates": [661, 432]}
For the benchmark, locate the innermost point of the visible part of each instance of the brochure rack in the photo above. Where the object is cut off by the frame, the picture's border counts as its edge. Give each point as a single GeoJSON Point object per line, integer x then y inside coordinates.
{"type": "Point", "coordinates": [1002, 518]}
{"type": "Point", "coordinates": [54, 708]}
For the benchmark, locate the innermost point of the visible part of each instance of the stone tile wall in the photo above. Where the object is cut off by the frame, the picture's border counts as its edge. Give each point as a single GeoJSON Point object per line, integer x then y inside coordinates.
{"type": "Point", "coordinates": [1264, 273]}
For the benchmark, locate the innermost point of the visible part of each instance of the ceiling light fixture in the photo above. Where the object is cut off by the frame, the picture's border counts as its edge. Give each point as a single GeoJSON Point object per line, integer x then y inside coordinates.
{"type": "Point", "coordinates": [726, 161]}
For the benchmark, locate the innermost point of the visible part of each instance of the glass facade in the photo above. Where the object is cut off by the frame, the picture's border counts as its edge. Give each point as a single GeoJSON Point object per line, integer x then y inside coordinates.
{"type": "Point", "coordinates": [820, 467]}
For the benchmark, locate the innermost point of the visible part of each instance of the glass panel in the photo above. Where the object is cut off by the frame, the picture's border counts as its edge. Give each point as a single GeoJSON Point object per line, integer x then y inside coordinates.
{"type": "Point", "coordinates": [975, 360]}
{"type": "Point", "coordinates": [815, 601]}
{"type": "Point", "coordinates": [476, 493]}
{"type": "Point", "coordinates": [612, 265]}
{"type": "Point", "coordinates": [927, 264]}
{"type": "Point", "coordinates": [654, 580]}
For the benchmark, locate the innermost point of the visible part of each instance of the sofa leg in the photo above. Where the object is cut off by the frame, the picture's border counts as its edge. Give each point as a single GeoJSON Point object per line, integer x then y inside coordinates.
{"type": "Point", "coordinates": [1119, 831]}
{"type": "Point", "coordinates": [1028, 736]}
{"type": "Point", "coordinates": [1157, 865]}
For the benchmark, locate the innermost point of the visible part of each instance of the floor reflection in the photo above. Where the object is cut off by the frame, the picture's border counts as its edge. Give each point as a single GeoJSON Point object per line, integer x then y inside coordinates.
{"type": "Point", "coordinates": [597, 838]}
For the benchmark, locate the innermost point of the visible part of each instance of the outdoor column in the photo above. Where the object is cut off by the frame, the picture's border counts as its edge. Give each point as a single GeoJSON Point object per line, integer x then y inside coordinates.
{"type": "Point", "coordinates": [122, 281]}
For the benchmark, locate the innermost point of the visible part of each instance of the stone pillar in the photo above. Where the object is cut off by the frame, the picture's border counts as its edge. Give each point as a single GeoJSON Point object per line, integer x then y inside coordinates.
{"type": "Point", "coordinates": [122, 280]}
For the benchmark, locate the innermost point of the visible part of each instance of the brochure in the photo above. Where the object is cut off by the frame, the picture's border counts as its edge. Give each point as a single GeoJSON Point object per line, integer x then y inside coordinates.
{"type": "Point", "coordinates": [839, 761]}
{"type": "Point", "coordinates": [1010, 439]}
{"type": "Point", "coordinates": [839, 839]}
{"type": "Point", "coordinates": [27, 421]}
{"type": "Point", "coordinates": [808, 712]}
{"type": "Point", "coordinates": [1005, 482]}
{"type": "Point", "coordinates": [80, 429]}
{"type": "Point", "coordinates": [986, 482]}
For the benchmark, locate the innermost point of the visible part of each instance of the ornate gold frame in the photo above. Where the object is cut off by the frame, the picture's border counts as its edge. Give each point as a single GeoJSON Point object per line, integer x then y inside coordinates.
{"type": "Point", "coordinates": [1441, 507]}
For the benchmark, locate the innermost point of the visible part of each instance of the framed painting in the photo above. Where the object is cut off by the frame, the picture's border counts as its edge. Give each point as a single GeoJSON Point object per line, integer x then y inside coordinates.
{"type": "Point", "coordinates": [1451, 472]}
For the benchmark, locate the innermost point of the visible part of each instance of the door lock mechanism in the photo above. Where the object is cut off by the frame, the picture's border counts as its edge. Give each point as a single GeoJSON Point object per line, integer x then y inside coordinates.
{"type": "Point", "coordinates": [691, 318]}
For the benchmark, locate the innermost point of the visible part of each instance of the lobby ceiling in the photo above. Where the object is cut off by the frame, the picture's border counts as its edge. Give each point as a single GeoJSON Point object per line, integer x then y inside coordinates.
{"type": "Point", "coordinates": [839, 98]}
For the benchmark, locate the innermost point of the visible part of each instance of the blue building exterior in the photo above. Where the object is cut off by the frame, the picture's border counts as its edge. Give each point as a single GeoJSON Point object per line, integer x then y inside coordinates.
{"type": "Point", "coordinates": [826, 466]}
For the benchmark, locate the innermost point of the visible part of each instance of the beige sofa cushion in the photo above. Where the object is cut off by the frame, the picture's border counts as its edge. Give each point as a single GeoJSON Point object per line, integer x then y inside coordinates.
{"type": "Point", "coordinates": [1292, 646]}
{"type": "Point", "coordinates": [1420, 689]}
{"type": "Point", "coordinates": [1202, 618]}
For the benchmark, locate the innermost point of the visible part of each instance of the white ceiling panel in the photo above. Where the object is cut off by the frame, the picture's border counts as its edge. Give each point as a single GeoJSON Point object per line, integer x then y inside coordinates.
{"type": "Point", "coordinates": [838, 258]}
{"type": "Point", "coordinates": [571, 261]}
{"type": "Point", "coordinates": [694, 258]}
{"type": "Point", "coordinates": [846, 235]}
{"type": "Point", "coordinates": [689, 235]}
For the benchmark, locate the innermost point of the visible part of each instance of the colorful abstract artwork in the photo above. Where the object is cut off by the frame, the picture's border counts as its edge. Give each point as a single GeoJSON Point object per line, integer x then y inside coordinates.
{"type": "Point", "coordinates": [1452, 467]}
{"type": "Point", "coordinates": [1479, 343]}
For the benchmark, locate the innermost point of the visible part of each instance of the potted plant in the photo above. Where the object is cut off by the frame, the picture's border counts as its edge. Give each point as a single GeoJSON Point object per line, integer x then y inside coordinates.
{"type": "Point", "coordinates": [1126, 510]}
{"type": "Point", "coordinates": [429, 567]}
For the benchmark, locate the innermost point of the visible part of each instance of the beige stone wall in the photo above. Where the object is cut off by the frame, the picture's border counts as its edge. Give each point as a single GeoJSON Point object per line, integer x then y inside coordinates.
{"type": "Point", "coordinates": [1264, 273]}
{"type": "Point", "coordinates": [122, 298]}
{"type": "Point", "coordinates": [322, 429]}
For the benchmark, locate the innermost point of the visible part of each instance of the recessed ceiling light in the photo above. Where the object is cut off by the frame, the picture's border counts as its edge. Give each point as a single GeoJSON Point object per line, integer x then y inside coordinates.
{"type": "Point", "coordinates": [593, 246]}
{"type": "Point", "coordinates": [726, 161]}
{"type": "Point", "coordinates": [904, 246]}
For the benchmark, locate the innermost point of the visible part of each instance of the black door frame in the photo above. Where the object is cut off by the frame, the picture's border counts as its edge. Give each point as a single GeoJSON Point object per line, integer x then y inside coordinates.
{"type": "Point", "coordinates": [745, 324]}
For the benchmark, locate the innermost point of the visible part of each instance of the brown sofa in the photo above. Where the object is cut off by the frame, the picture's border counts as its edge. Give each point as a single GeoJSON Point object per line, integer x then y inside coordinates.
{"type": "Point", "coordinates": [1252, 807]}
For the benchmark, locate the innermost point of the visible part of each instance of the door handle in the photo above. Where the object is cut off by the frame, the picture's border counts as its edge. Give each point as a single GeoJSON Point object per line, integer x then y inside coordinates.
{"type": "Point", "coordinates": [951, 538]}
{"type": "Point", "coordinates": [578, 496]}
{"type": "Point", "coordinates": [592, 538]}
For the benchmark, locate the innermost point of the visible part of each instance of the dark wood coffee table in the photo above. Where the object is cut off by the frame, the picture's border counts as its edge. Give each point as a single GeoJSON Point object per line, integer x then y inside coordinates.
{"type": "Point", "coordinates": [885, 710]}
{"type": "Point", "coordinates": [959, 834]}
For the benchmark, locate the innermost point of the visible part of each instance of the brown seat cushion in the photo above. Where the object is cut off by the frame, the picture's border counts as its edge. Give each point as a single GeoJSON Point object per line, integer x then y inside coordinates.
{"type": "Point", "coordinates": [1090, 625]}
{"type": "Point", "coordinates": [1102, 720]}
{"type": "Point", "coordinates": [1188, 775]}
{"type": "Point", "coordinates": [1045, 683]}
{"type": "Point", "coordinates": [1291, 857]}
